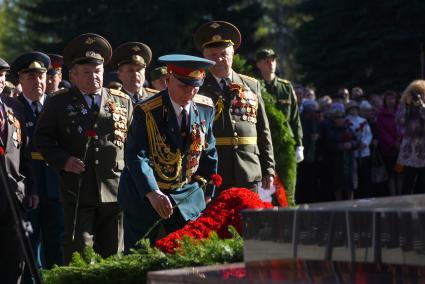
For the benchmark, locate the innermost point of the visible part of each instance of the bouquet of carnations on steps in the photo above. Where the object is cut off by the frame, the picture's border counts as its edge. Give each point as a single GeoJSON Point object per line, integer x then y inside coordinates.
{"type": "Point", "coordinates": [224, 211]}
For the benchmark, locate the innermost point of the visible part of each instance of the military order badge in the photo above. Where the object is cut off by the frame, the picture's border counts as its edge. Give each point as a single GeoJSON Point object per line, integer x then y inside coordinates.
{"type": "Point", "coordinates": [17, 134]}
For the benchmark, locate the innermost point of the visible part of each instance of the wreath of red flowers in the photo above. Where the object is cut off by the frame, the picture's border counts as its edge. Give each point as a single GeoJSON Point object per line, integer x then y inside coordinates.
{"type": "Point", "coordinates": [223, 211]}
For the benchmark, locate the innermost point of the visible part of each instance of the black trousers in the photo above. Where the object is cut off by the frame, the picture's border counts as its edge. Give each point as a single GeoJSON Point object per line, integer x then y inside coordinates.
{"type": "Point", "coordinates": [414, 180]}
{"type": "Point", "coordinates": [11, 258]}
{"type": "Point", "coordinates": [99, 226]}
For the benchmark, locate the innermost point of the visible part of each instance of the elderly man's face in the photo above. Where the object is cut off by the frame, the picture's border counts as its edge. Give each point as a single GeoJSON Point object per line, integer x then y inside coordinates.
{"type": "Point", "coordinates": [2, 80]}
{"type": "Point", "coordinates": [223, 57]}
{"type": "Point", "coordinates": [132, 77]}
{"type": "Point", "coordinates": [181, 93]}
{"type": "Point", "coordinates": [88, 78]}
{"type": "Point", "coordinates": [33, 84]}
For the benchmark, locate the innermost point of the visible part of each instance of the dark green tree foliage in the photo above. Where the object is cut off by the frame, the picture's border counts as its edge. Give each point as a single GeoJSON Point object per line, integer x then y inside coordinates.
{"type": "Point", "coordinates": [12, 17]}
{"type": "Point", "coordinates": [372, 44]}
{"type": "Point", "coordinates": [166, 26]}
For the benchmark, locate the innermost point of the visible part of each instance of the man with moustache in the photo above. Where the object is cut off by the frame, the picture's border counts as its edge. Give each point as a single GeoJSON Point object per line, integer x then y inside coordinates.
{"type": "Point", "coordinates": [241, 127]}
{"type": "Point", "coordinates": [131, 59]}
{"type": "Point", "coordinates": [15, 154]}
{"type": "Point", "coordinates": [47, 219]}
{"type": "Point", "coordinates": [81, 133]}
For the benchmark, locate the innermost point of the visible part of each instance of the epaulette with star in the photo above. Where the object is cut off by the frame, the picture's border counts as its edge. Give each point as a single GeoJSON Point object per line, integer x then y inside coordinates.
{"type": "Point", "coordinates": [61, 91]}
{"type": "Point", "coordinates": [151, 90]}
{"type": "Point", "coordinates": [203, 100]}
{"type": "Point", "coordinates": [151, 103]}
{"type": "Point", "coordinates": [118, 94]}
{"type": "Point", "coordinates": [248, 78]}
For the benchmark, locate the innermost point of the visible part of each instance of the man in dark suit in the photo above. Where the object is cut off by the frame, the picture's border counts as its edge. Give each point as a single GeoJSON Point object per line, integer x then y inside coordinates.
{"type": "Point", "coordinates": [81, 133]}
{"type": "Point", "coordinates": [241, 127]}
{"type": "Point", "coordinates": [130, 59]}
{"type": "Point", "coordinates": [14, 153]}
{"type": "Point", "coordinates": [47, 219]}
{"type": "Point", "coordinates": [170, 154]}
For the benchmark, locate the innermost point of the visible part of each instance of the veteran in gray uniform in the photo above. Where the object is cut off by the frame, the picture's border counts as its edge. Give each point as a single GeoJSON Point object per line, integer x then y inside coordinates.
{"type": "Point", "coordinates": [130, 60]}
{"type": "Point", "coordinates": [81, 133]}
{"type": "Point", "coordinates": [241, 127]}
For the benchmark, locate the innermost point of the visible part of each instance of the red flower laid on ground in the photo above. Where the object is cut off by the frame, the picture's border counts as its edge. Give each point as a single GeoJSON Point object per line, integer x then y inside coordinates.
{"type": "Point", "coordinates": [223, 211]}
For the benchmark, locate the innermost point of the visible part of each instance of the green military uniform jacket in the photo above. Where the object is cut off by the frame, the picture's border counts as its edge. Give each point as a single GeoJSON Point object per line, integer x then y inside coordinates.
{"type": "Point", "coordinates": [67, 127]}
{"type": "Point", "coordinates": [286, 101]}
{"type": "Point", "coordinates": [242, 160]}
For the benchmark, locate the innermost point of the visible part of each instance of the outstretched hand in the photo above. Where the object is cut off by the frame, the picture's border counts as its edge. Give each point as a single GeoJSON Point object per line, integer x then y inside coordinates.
{"type": "Point", "coordinates": [161, 203]}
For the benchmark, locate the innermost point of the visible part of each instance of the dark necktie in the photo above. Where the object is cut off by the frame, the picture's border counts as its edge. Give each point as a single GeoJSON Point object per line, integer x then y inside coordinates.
{"type": "Point", "coordinates": [225, 82]}
{"type": "Point", "coordinates": [183, 128]}
{"type": "Point", "coordinates": [93, 106]}
{"type": "Point", "coordinates": [35, 108]}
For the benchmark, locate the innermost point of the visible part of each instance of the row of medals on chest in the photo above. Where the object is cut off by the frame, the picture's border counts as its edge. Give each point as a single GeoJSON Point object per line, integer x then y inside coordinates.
{"type": "Point", "coordinates": [244, 104]}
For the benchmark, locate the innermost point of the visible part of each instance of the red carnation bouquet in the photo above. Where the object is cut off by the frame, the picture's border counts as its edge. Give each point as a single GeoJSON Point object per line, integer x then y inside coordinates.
{"type": "Point", "coordinates": [224, 211]}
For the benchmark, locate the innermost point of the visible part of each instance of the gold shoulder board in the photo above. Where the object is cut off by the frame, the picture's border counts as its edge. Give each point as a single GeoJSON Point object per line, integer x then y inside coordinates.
{"type": "Point", "coordinates": [151, 90]}
{"type": "Point", "coordinates": [248, 77]}
{"type": "Point", "coordinates": [61, 91]}
{"type": "Point", "coordinates": [283, 81]}
{"type": "Point", "coordinates": [203, 100]}
{"type": "Point", "coordinates": [118, 94]}
{"type": "Point", "coordinates": [151, 104]}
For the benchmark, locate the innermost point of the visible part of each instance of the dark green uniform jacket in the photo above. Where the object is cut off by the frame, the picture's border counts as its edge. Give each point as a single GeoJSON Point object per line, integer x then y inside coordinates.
{"type": "Point", "coordinates": [241, 127]}
{"type": "Point", "coordinates": [286, 101]}
{"type": "Point", "coordinates": [64, 129]}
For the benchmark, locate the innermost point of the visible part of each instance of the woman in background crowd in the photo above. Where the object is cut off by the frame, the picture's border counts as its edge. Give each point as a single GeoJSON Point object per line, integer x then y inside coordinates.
{"type": "Point", "coordinates": [361, 129]}
{"type": "Point", "coordinates": [387, 139]}
{"type": "Point", "coordinates": [411, 123]}
{"type": "Point", "coordinates": [337, 144]}
{"type": "Point", "coordinates": [307, 170]}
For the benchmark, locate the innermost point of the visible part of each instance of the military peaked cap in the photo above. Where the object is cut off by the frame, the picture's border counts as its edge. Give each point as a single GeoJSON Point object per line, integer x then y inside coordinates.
{"type": "Point", "coordinates": [29, 62]}
{"type": "Point", "coordinates": [217, 34]}
{"type": "Point", "coordinates": [131, 52]}
{"type": "Point", "coordinates": [188, 69]}
{"type": "Point", "coordinates": [87, 48]}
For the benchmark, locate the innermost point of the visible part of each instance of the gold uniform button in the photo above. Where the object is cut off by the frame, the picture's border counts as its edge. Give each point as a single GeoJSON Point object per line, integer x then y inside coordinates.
{"type": "Point", "coordinates": [95, 125]}
{"type": "Point", "coordinates": [233, 121]}
{"type": "Point", "coordinates": [96, 149]}
{"type": "Point", "coordinates": [235, 134]}
{"type": "Point", "coordinates": [96, 162]}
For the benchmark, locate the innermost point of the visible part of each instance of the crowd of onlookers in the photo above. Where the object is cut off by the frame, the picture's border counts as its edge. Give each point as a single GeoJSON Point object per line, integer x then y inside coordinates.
{"type": "Point", "coordinates": [359, 145]}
